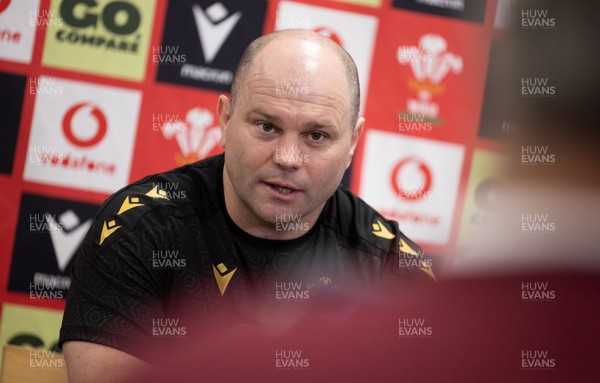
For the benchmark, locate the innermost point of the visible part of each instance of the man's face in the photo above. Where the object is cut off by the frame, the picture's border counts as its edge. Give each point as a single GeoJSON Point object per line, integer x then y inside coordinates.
{"type": "Point", "coordinates": [289, 139]}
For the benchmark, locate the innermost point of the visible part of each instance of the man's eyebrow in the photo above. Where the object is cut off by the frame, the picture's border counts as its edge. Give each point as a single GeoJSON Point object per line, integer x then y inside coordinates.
{"type": "Point", "coordinates": [320, 126]}
{"type": "Point", "coordinates": [279, 121]}
{"type": "Point", "coordinates": [268, 116]}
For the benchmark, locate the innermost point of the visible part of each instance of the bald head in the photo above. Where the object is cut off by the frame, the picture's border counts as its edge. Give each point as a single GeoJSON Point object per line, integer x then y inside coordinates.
{"type": "Point", "coordinates": [292, 38]}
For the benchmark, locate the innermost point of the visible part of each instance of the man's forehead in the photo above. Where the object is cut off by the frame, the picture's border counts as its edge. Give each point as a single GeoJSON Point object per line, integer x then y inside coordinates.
{"type": "Point", "coordinates": [310, 41]}
{"type": "Point", "coordinates": [309, 100]}
{"type": "Point", "coordinates": [303, 57]}
{"type": "Point", "coordinates": [306, 48]}
{"type": "Point", "coordinates": [316, 73]}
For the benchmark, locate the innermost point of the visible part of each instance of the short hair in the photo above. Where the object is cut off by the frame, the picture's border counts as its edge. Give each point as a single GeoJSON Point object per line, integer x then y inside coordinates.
{"type": "Point", "coordinates": [257, 46]}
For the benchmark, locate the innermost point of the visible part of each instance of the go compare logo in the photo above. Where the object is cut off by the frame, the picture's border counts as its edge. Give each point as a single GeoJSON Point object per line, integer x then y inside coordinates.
{"type": "Point", "coordinates": [119, 18]}
{"type": "Point", "coordinates": [100, 36]}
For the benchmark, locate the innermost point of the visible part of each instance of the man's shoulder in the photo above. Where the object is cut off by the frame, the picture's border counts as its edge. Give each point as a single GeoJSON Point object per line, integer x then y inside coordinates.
{"type": "Point", "coordinates": [358, 221]}
{"type": "Point", "coordinates": [361, 226]}
{"type": "Point", "coordinates": [151, 201]}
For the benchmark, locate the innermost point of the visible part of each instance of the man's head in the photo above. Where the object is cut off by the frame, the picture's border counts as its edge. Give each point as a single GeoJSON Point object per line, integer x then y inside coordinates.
{"type": "Point", "coordinates": [349, 67]}
{"type": "Point", "coordinates": [290, 130]}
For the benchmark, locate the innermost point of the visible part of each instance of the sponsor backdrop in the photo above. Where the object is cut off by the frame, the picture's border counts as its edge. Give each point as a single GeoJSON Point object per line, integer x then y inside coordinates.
{"type": "Point", "coordinates": [99, 93]}
{"type": "Point", "coordinates": [30, 326]}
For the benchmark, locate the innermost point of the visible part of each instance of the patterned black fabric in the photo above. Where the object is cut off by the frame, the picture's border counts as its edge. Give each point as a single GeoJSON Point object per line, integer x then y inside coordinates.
{"type": "Point", "coordinates": [158, 246]}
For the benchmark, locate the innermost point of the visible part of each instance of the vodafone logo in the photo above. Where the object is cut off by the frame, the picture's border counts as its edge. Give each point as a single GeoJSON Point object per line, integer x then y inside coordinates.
{"type": "Point", "coordinates": [4, 4]}
{"type": "Point", "coordinates": [330, 34]}
{"type": "Point", "coordinates": [90, 130]}
{"type": "Point", "coordinates": [84, 125]}
{"type": "Point", "coordinates": [77, 139]}
{"type": "Point", "coordinates": [404, 176]}
{"type": "Point", "coordinates": [17, 29]}
{"type": "Point", "coordinates": [416, 187]}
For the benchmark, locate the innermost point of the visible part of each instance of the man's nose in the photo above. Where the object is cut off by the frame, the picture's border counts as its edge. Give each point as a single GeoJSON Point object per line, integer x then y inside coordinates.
{"type": "Point", "coordinates": [289, 153]}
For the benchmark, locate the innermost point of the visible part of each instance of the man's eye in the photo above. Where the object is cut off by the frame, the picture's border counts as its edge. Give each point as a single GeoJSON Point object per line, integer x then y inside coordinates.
{"type": "Point", "coordinates": [317, 136]}
{"type": "Point", "coordinates": [264, 127]}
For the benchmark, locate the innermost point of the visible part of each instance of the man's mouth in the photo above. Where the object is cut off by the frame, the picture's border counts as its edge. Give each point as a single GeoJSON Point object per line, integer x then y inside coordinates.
{"type": "Point", "coordinates": [282, 188]}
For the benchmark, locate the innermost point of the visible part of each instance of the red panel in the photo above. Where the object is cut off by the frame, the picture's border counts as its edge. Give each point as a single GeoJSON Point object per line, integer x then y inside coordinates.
{"type": "Point", "coordinates": [431, 68]}
{"type": "Point", "coordinates": [177, 126]}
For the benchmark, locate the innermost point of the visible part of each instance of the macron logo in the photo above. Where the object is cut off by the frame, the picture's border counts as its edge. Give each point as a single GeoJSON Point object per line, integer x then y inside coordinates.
{"type": "Point", "coordinates": [214, 27]}
{"type": "Point", "coordinates": [65, 243]}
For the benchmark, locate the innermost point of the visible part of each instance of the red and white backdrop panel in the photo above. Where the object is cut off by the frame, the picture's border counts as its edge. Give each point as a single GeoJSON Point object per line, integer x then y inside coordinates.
{"type": "Point", "coordinates": [99, 93]}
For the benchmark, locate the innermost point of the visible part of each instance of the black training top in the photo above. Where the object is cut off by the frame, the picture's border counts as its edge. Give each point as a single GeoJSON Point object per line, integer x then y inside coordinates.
{"type": "Point", "coordinates": [165, 245]}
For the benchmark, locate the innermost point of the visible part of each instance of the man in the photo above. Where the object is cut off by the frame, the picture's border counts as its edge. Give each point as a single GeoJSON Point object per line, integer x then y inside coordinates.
{"type": "Point", "coordinates": [266, 216]}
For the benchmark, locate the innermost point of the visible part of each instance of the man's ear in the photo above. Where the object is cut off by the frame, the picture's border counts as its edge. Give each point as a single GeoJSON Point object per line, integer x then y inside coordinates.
{"type": "Point", "coordinates": [356, 134]}
{"type": "Point", "coordinates": [224, 115]}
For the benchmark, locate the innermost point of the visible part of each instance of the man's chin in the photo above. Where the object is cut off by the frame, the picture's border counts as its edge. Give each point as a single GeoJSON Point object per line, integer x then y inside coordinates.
{"type": "Point", "coordinates": [274, 214]}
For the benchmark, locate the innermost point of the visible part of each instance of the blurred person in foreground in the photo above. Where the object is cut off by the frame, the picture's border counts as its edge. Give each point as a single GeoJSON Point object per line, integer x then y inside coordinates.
{"type": "Point", "coordinates": [547, 207]}
{"type": "Point", "coordinates": [268, 218]}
